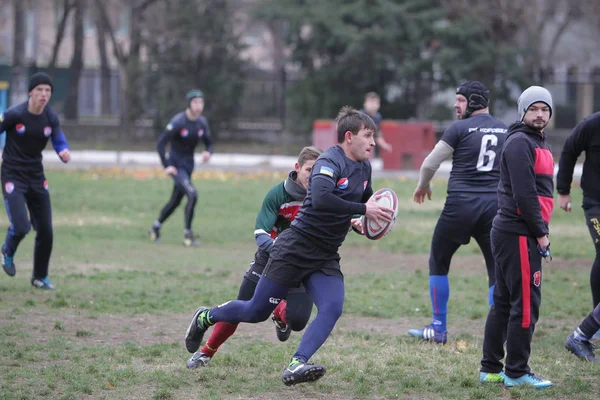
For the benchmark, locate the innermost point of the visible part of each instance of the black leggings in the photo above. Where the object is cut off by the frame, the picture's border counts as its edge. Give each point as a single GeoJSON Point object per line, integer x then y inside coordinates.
{"type": "Point", "coordinates": [298, 309]}
{"type": "Point", "coordinates": [592, 219]}
{"type": "Point", "coordinates": [183, 187]}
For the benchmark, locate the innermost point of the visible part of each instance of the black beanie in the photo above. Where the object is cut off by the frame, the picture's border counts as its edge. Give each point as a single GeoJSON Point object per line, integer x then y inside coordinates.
{"type": "Point", "coordinates": [477, 96]}
{"type": "Point", "coordinates": [39, 78]}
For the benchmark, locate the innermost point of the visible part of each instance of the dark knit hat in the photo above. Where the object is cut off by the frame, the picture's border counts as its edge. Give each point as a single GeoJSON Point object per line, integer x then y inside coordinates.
{"type": "Point", "coordinates": [477, 96]}
{"type": "Point", "coordinates": [39, 78]}
{"type": "Point", "coordinates": [192, 94]}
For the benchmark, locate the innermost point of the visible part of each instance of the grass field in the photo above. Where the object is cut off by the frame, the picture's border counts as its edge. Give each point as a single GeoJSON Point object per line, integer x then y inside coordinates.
{"type": "Point", "coordinates": [114, 327]}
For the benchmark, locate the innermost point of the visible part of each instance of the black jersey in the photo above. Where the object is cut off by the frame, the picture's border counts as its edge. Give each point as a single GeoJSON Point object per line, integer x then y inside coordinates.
{"type": "Point", "coordinates": [585, 137]}
{"type": "Point", "coordinates": [183, 135]}
{"type": "Point", "coordinates": [337, 189]}
{"type": "Point", "coordinates": [27, 135]}
{"type": "Point", "coordinates": [477, 142]}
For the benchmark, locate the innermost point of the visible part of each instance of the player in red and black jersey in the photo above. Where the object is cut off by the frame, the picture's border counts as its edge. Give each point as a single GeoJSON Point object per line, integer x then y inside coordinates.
{"type": "Point", "coordinates": [519, 241]}
{"type": "Point", "coordinates": [183, 133]}
{"type": "Point", "coordinates": [28, 127]}
{"type": "Point", "coordinates": [278, 210]}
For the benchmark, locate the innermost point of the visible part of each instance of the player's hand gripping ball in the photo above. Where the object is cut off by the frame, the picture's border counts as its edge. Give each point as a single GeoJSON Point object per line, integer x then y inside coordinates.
{"type": "Point", "coordinates": [375, 230]}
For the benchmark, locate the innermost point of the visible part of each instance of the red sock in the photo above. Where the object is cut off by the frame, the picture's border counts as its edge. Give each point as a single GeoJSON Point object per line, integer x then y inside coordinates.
{"type": "Point", "coordinates": [221, 332]}
{"type": "Point", "coordinates": [280, 311]}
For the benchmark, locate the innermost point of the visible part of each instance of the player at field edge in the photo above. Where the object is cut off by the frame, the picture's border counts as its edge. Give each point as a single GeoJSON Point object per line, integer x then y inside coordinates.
{"type": "Point", "coordinates": [584, 138]}
{"type": "Point", "coordinates": [371, 106]}
{"type": "Point", "coordinates": [183, 133]}
{"type": "Point", "coordinates": [28, 127]}
{"type": "Point", "coordinates": [307, 253]}
{"type": "Point", "coordinates": [519, 242]}
{"type": "Point", "coordinates": [278, 210]}
{"type": "Point", "coordinates": [473, 143]}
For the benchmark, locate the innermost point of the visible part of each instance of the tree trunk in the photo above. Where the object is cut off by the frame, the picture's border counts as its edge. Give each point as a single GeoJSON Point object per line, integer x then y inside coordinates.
{"type": "Point", "coordinates": [18, 82]}
{"type": "Point", "coordinates": [60, 34]}
{"type": "Point", "coordinates": [71, 109]}
{"type": "Point", "coordinates": [102, 31]}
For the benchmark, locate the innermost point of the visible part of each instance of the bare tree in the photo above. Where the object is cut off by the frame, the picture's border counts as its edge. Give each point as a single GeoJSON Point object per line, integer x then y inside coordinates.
{"type": "Point", "coordinates": [68, 5]}
{"type": "Point", "coordinates": [71, 109]}
{"type": "Point", "coordinates": [102, 32]}
{"type": "Point", "coordinates": [129, 60]}
{"type": "Point", "coordinates": [18, 77]}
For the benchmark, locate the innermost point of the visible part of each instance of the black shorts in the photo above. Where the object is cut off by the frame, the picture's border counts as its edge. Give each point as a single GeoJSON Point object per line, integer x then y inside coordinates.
{"type": "Point", "coordinates": [295, 257]}
{"type": "Point", "coordinates": [467, 215]}
{"type": "Point", "coordinates": [257, 267]}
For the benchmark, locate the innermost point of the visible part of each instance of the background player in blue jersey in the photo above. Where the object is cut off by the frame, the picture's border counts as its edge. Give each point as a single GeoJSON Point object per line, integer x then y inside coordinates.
{"type": "Point", "coordinates": [28, 127]}
{"type": "Point", "coordinates": [473, 143]}
{"type": "Point", "coordinates": [307, 252]}
{"type": "Point", "coordinates": [183, 133]}
{"type": "Point", "coordinates": [371, 107]}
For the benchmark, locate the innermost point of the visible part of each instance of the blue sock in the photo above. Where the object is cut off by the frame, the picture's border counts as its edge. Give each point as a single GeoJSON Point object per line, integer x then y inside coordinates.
{"type": "Point", "coordinates": [439, 290]}
{"type": "Point", "coordinates": [491, 295]}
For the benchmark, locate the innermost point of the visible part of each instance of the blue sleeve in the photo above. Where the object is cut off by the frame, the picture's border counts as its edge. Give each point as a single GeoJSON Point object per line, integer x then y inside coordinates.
{"type": "Point", "coordinates": [57, 137]}
{"type": "Point", "coordinates": [207, 137]}
{"type": "Point", "coordinates": [451, 136]}
{"type": "Point", "coordinates": [165, 138]}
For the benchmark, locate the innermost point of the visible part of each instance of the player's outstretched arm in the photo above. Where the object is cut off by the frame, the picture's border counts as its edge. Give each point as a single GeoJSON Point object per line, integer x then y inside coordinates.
{"type": "Point", "coordinates": [440, 153]}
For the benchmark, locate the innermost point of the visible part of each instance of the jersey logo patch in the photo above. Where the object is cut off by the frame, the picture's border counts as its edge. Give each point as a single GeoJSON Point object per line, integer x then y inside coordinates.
{"type": "Point", "coordinates": [9, 187]}
{"type": "Point", "coordinates": [326, 171]}
{"type": "Point", "coordinates": [184, 132]}
{"type": "Point", "coordinates": [46, 185]}
{"type": "Point", "coordinates": [47, 131]}
{"type": "Point", "coordinates": [342, 183]}
{"type": "Point", "coordinates": [537, 278]}
{"type": "Point", "coordinates": [20, 129]}
{"type": "Point", "coordinates": [201, 132]}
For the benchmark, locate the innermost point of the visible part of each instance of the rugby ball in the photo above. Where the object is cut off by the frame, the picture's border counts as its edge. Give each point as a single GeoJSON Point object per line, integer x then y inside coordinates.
{"type": "Point", "coordinates": [387, 198]}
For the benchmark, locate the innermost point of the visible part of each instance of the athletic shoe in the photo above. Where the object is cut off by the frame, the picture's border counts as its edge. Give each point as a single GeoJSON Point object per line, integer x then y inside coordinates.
{"type": "Point", "coordinates": [596, 337]}
{"type": "Point", "coordinates": [492, 377]}
{"type": "Point", "coordinates": [189, 240]}
{"type": "Point", "coordinates": [583, 349]}
{"type": "Point", "coordinates": [429, 334]}
{"type": "Point", "coordinates": [154, 234]}
{"type": "Point", "coordinates": [195, 332]}
{"type": "Point", "coordinates": [199, 359]}
{"type": "Point", "coordinates": [283, 331]}
{"type": "Point", "coordinates": [8, 263]}
{"type": "Point", "coordinates": [527, 380]}
{"type": "Point", "coordinates": [43, 283]}
{"type": "Point", "coordinates": [300, 372]}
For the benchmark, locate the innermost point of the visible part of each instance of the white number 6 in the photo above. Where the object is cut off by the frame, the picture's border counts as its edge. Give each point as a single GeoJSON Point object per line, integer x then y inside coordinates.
{"type": "Point", "coordinates": [484, 164]}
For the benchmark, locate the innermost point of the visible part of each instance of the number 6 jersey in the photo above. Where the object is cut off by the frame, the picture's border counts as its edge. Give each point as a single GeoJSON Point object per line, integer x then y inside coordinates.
{"type": "Point", "coordinates": [477, 142]}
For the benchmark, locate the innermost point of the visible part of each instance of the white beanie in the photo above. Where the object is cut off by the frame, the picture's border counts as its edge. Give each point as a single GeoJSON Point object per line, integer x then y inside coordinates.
{"type": "Point", "coordinates": [531, 95]}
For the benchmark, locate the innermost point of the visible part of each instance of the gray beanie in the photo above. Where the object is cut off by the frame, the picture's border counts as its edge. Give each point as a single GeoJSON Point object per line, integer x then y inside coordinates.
{"type": "Point", "coordinates": [531, 95]}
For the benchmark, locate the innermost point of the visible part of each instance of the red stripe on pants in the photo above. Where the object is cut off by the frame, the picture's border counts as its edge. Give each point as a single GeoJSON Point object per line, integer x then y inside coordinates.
{"type": "Point", "coordinates": [525, 281]}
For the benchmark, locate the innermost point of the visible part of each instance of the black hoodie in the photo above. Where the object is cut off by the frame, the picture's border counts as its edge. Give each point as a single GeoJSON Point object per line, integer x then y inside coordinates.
{"type": "Point", "coordinates": [526, 188]}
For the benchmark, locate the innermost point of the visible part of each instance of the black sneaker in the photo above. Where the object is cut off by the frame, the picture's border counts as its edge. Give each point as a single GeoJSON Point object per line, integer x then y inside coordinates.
{"type": "Point", "coordinates": [283, 331]}
{"type": "Point", "coordinates": [43, 283]}
{"type": "Point", "coordinates": [584, 349]}
{"type": "Point", "coordinates": [300, 372]}
{"type": "Point", "coordinates": [189, 240]}
{"type": "Point", "coordinates": [195, 332]}
{"type": "Point", "coordinates": [8, 263]}
{"type": "Point", "coordinates": [154, 234]}
{"type": "Point", "coordinates": [199, 359]}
